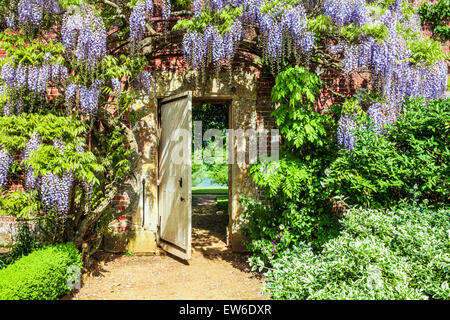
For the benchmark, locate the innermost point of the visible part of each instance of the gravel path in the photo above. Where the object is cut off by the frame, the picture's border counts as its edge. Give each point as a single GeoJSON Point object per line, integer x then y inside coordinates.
{"type": "Point", "coordinates": [214, 272]}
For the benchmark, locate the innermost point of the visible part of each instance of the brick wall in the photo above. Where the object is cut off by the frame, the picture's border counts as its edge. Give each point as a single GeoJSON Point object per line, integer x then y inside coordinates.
{"type": "Point", "coordinates": [171, 58]}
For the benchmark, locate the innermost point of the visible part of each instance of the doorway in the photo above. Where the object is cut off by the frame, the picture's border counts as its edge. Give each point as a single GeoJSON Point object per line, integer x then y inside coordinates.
{"type": "Point", "coordinates": [190, 153]}
{"type": "Point", "coordinates": [210, 176]}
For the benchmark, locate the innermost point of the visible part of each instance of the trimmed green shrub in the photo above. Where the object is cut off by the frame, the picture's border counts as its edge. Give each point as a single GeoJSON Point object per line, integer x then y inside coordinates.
{"type": "Point", "coordinates": [396, 254]}
{"type": "Point", "coordinates": [42, 275]}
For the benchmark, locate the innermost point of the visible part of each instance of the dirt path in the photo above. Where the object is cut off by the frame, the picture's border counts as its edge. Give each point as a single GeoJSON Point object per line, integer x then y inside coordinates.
{"type": "Point", "coordinates": [214, 272]}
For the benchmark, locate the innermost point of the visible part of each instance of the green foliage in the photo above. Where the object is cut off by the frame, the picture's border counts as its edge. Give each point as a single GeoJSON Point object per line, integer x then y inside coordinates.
{"type": "Point", "coordinates": [351, 106]}
{"type": "Point", "coordinates": [293, 184]}
{"type": "Point", "coordinates": [351, 32]}
{"type": "Point", "coordinates": [396, 254]}
{"type": "Point", "coordinates": [211, 117]}
{"type": "Point", "coordinates": [410, 161]}
{"type": "Point", "coordinates": [18, 203]}
{"type": "Point", "coordinates": [273, 6]}
{"type": "Point", "coordinates": [41, 275]}
{"type": "Point", "coordinates": [313, 178]}
{"type": "Point", "coordinates": [320, 24]}
{"type": "Point", "coordinates": [295, 89]}
{"type": "Point", "coordinates": [425, 50]}
{"type": "Point", "coordinates": [296, 85]}
{"type": "Point", "coordinates": [115, 154]}
{"type": "Point", "coordinates": [376, 30]}
{"type": "Point", "coordinates": [437, 15]}
{"type": "Point", "coordinates": [223, 19]}
{"type": "Point", "coordinates": [210, 190]}
{"type": "Point", "coordinates": [219, 174]}
{"type": "Point", "coordinates": [121, 67]}
{"type": "Point", "coordinates": [183, 4]}
{"type": "Point", "coordinates": [22, 50]}
{"type": "Point", "coordinates": [286, 221]}
{"type": "Point", "coordinates": [16, 130]}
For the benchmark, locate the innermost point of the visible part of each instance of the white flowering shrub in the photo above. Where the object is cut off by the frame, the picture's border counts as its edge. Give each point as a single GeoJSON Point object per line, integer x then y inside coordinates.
{"type": "Point", "coordinates": [396, 254]}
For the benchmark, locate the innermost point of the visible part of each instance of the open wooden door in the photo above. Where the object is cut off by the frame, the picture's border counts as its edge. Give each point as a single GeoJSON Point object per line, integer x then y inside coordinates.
{"type": "Point", "coordinates": [174, 180]}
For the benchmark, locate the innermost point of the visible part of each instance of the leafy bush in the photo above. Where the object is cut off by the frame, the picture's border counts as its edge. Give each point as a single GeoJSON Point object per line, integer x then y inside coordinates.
{"type": "Point", "coordinates": [437, 15]}
{"type": "Point", "coordinates": [314, 179]}
{"type": "Point", "coordinates": [293, 184]}
{"type": "Point", "coordinates": [396, 254]}
{"type": "Point", "coordinates": [19, 203]}
{"type": "Point", "coordinates": [42, 275]}
{"type": "Point", "coordinates": [410, 161]}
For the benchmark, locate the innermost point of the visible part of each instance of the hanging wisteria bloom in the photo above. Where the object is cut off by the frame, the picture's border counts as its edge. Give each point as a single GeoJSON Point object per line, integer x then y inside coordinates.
{"type": "Point", "coordinates": [71, 92]}
{"type": "Point", "coordinates": [89, 97]}
{"type": "Point", "coordinates": [284, 33]}
{"type": "Point", "coordinates": [197, 7]}
{"type": "Point", "coordinates": [5, 161]}
{"type": "Point", "coordinates": [8, 108]}
{"type": "Point", "coordinates": [59, 144]}
{"type": "Point", "coordinates": [345, 134]}
{"type": "Point", "coordinates": [344, 12]}
{"type": "Point", "coordinates": [393, 74]}
{"type": "Point", "coordinates": [10, 20]}
{"type": "Point", "coordinates": [84, 34]}
{"type": "Point", "coordinates": [8, 74]}
{"type": "Point", "coordinates": [32, 145]}
{"type": "Point", "coordinates": [381, 115]}
{"type": "Point", "coordinates": [32, 77]}
{"type": "Point", "coordinates": [142, 12]}
{"type": "Point", "coordinates": [30, 13]}
{"type": "Point", "coordinates": [145, 81]}
{"type": "Point", "coordinates": [21, 76]}
{"type": "Point", "coordinates": [117, 88]}
{"type": "Point", "coordinates": [251, 10]}
{"type": "Point", "coordinates": [201, 49]}
{"type": "Point", "coordinates": [19, 106]}
{"type": "Point", "coordinates": [167, 9]}
{"type": "Point", "coordinates": [55, 191]}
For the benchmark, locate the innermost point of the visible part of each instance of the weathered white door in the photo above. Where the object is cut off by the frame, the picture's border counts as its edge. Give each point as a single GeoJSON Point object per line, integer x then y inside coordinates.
{"type": "Point", "coordinates": [175, 162]}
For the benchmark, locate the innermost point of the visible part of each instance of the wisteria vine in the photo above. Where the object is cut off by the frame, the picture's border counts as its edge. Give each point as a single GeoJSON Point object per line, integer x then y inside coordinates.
{"type": "Point", "coordinates": [393, 74]}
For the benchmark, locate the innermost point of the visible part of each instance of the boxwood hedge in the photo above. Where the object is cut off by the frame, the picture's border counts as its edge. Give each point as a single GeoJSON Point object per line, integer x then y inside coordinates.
{"type": "Point", "coordinates": [44, 274]}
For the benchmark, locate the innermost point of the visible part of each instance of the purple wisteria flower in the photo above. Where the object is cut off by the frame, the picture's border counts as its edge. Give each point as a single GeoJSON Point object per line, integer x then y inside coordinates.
{"type": "Point", "coordinates": [84, 35]}
{"type": "Point", "coordinates": [5, 161]}
{"type": "Point", "coordinates": [55, 191]}
{"type": "Point", "coordinates": [345, 135]}
{"type": "Point", "coordinates": [115, 82]}
{"type": "Point", "coordinates": [32, 145]}
{"type": "Point", "coordinates": [89, 97]}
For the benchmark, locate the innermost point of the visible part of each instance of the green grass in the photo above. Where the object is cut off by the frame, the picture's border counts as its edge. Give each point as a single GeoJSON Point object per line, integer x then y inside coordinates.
{"type": "Point", "coordinates": [210, 190]}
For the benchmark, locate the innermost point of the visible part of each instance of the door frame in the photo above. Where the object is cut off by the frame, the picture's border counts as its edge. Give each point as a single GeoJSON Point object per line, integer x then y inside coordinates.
{"type": "Point", "coordinates": [213, 99]}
